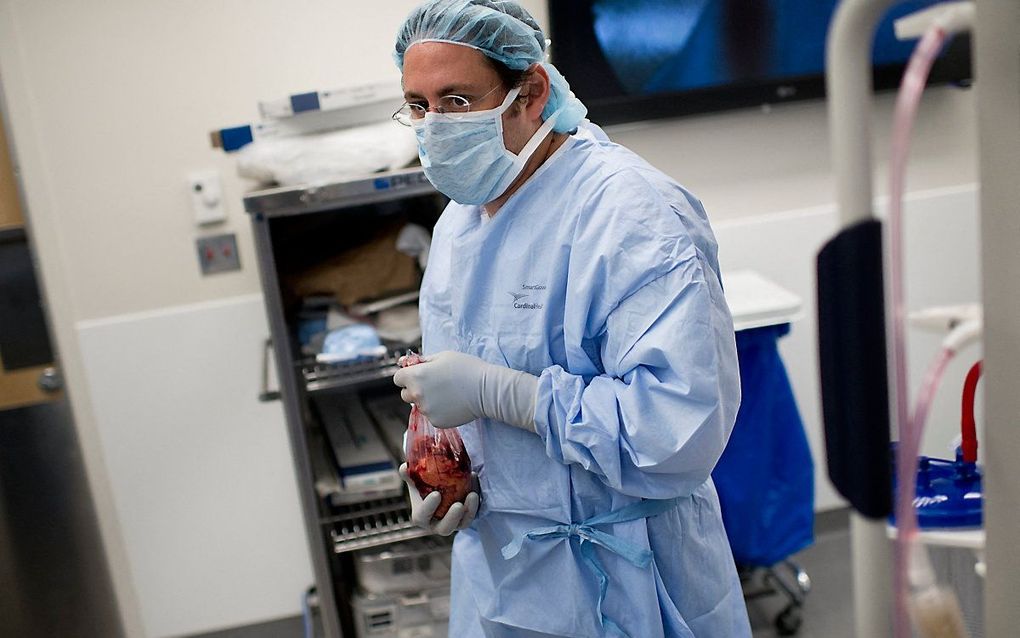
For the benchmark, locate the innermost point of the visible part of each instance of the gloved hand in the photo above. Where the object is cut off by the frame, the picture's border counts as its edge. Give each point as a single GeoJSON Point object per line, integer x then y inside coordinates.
{"type": "Point", "coordinates": [459, 516]}
{"type": "Point", "coordinates": [452, 388]}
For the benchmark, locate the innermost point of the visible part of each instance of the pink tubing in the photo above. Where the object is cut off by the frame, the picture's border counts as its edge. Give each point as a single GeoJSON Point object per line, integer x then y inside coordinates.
{"type": "Point", "coordinates": [910, 429]}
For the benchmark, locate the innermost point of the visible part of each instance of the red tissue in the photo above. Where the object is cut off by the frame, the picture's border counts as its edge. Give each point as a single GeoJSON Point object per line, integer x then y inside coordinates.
{"type": "Point", "coordinates": [437, 460]}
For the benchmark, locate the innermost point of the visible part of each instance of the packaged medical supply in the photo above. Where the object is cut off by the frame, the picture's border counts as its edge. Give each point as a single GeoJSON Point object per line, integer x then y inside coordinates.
{"type": "Point", "coordinates": [328, 156]}
{"type": "Point", "coordinates": [362, 460]}
{"type": "Point", "coordinates": [413, 565]}
{"type": "Point", "coordinates": [391, 414]}
{"type": "Point", "coordinates": [351, 343]}
{"type": "Point", "coordinates": [419, 615]}
{"type": "Point", "coordinates": [351, 105]}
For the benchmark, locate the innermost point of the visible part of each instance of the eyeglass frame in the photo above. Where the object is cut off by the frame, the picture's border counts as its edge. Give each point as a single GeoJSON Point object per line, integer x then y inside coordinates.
{"type": "Point", "coordinates": [412, 108]}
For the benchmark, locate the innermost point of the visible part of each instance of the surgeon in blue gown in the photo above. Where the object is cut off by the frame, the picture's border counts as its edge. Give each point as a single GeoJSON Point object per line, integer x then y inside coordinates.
{"type": "Point", "coordinates": [575, 330]}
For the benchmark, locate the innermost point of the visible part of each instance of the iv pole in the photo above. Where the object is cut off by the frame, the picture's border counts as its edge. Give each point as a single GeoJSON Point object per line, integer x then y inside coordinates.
{"type": "Point", "coordinates": [997, 67]}
{"type": "Point", "coordinates": [848, 85]}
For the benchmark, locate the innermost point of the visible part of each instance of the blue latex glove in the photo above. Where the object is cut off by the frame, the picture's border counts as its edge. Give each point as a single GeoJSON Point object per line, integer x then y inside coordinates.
{"type": "Point", "coordinates": [459, 516]}
{"type": "Point", "coordinates": [452, 388]}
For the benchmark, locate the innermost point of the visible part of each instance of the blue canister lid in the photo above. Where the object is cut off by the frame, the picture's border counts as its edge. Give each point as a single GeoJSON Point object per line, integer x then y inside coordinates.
{"type": "Point", "coordinates": [949, 493]}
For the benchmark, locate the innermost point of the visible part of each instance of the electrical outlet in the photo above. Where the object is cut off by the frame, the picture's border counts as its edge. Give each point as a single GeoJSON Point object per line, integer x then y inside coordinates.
{"type": "Point", "coordinates": [207, 198]}
{"type": "Point", "coordinates": [218, 253]}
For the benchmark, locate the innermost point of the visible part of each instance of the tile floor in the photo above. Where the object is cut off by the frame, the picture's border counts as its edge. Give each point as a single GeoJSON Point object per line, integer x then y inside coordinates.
{"type": "Point", "coordinates": [828, 610]}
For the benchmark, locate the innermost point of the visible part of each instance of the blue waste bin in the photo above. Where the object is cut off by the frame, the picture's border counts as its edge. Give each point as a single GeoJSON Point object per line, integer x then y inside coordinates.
{"type": "Point", "coordinates": [765, 477]}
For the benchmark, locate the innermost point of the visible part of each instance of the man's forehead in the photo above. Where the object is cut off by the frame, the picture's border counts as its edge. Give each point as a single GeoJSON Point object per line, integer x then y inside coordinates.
{"type": "Point", "coordinates": [444, 67]}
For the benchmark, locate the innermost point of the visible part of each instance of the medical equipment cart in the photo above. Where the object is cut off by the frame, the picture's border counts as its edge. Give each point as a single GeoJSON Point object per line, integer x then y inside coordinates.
{"type": "Point", "coordinates": [296, 226]}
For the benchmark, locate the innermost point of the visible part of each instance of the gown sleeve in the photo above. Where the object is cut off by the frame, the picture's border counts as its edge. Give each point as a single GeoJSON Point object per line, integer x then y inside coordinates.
{"type": "Point", "coordinates": [655, 422]}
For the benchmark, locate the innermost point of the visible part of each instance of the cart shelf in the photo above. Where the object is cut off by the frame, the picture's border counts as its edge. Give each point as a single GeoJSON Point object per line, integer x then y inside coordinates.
{"type": "Point", "coordinates": [323, 377]}
{"type": "Point", "coordinates": [371, 523]}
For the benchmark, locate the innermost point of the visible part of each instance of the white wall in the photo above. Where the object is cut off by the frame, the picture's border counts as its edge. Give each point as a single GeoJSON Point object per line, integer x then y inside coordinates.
{"type": "Point", "coordinates": [941, 268]}
{"type": "Point", "coordinates": [111, 104]}
{"type": "Point", "coordinates": [202, 483]}
{"type": "Point", "coordinates": [755, 161]}
{"type": "Point", "coordinates": [125, 93]}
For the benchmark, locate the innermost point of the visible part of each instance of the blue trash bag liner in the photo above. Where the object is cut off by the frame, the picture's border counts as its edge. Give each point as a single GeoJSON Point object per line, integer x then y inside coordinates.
{"type": "Point", "coordinates": [765, 476]}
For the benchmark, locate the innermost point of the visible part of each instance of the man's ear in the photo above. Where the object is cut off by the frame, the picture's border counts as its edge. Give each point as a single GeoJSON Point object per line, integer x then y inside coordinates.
{"type": "Point", "coordinates": [538, 90]}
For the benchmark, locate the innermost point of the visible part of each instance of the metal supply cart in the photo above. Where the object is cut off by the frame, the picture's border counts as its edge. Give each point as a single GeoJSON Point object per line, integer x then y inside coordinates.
{"type": "Point", "coordinates": [297, 225]}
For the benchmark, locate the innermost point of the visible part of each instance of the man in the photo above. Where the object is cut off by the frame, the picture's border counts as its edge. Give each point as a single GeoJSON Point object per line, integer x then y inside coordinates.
{"type": "Point", "coordinates": [574, 325]}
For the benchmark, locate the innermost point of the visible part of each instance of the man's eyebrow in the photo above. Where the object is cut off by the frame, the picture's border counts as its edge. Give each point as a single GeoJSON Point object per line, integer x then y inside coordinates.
{"type": "Point", "coordinates": [452, 89]}
{"type": "Point", "coordinates": [455, 89]}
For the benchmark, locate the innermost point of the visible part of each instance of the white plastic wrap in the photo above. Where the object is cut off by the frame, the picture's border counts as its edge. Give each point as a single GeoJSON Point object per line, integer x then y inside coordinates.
{"type": "Point", "coordinates": [320, 157]}
{"type": "Point", "coordinates": [415, 240]}
{"type": "Point", "coordinates": [414, 565]}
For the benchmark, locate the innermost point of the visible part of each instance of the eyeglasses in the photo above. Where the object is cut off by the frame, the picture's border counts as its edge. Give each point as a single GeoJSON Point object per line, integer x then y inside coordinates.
{"type": "Point", "coordinates": [412, 111]}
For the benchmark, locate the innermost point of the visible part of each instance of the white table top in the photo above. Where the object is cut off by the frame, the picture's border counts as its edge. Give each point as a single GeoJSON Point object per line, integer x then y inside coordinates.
{"type": "Point", "coordinates": [756, 302]}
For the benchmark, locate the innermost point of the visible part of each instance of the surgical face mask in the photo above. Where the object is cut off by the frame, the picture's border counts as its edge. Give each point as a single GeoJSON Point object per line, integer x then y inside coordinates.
{"type": "Point", "coordinates": [464, 156]}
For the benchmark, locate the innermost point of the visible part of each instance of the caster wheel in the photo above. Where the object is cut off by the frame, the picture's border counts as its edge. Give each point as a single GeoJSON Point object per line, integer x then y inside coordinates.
{"type": "Point", "coordinates": [788, 621]}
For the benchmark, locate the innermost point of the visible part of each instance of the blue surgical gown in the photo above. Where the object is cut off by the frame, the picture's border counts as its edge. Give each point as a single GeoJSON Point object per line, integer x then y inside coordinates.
{"type": "Point", "coordinates": [600, 277]}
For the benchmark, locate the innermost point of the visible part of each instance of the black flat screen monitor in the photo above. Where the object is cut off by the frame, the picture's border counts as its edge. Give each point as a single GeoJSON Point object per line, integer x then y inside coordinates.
{"type": "Point", "coordinates": [643, 59]}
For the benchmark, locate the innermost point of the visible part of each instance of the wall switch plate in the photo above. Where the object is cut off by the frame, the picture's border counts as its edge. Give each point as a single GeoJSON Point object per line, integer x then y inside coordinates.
{"type": "Point", "coordinates": [218, 253]}
{"type": "Point", "coordinates": [207, 197]}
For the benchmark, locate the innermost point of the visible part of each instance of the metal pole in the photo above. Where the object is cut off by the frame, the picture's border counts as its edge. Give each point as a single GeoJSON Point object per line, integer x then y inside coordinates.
{"type": "Point", "coordinates": [997, 59]}
{"type": "Point", "coordinates": [848, 85]}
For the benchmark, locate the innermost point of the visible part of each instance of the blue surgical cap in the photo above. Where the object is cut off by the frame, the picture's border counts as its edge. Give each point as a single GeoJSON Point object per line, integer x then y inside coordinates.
{"type": "Point", "coordinates": [502, 30]}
